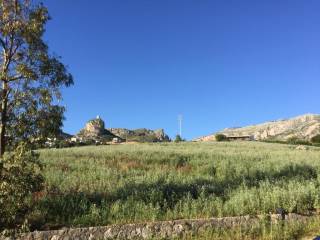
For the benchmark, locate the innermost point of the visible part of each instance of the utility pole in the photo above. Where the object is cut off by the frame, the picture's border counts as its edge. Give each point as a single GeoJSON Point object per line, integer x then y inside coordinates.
{"type": "Point", "coordinates": [180, 124]}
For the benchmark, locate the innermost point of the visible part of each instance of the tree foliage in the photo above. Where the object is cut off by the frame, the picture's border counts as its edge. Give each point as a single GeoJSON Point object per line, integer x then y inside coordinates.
{"type": "Point", "coordinates": [30, 89]}
{"type": "Point", "coordinates": [316, 139]}
{"type": "Point", "coordinates": [31, 78]}
{"type": "Point", "coordinates": [221, 137]}
{"type": "Point", "coordinates": [178, 139]}
{"type": "Point", "coordinates": [20, 177]}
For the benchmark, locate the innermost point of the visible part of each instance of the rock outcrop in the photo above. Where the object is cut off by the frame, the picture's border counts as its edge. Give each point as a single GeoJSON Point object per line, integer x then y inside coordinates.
{"type": "Point", "coordinates": [95, 129]}
{"type": "Point", "coordinates": [302, 127]}
{"type": "Point", "coordinates": [140, 135]}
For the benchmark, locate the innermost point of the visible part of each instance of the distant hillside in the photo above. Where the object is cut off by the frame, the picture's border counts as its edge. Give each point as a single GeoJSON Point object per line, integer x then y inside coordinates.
{"type": "Point", "coordinates": [302, 127]}
{"type": "Point", "coordinates": [95, 129]}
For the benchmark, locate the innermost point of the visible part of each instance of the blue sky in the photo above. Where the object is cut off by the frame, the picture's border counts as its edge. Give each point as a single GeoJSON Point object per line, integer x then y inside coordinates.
{"type": "Point", "coordinates": [219, 63]}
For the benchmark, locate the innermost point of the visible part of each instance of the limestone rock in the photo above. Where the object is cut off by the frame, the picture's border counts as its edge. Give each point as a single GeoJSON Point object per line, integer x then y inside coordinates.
{"type": "Point", "coordinates": [160, 134]}
{"type": "Point", "coordinates": [140, 135]}
{"type": "Point", "coordinates": [95, 130]}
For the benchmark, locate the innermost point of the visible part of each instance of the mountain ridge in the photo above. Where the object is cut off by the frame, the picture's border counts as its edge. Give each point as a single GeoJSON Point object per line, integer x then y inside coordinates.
{"type": "Point", "coordinates": [303, 127]}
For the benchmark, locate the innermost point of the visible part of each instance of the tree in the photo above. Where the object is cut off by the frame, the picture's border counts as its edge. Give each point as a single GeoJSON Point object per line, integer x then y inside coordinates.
{"type": "Point", "coordinates": [293, 140]}
{"type": "Point", "coordinates": [178, 139]}
{"type": "Point", "coordinates": [315, 139]}
{"type": "Point", "coordinates": [30, 89]}
{"type": "Point", "coordinates": [30, 77]}
{"type": "Point", "coordinates": [221, 137]}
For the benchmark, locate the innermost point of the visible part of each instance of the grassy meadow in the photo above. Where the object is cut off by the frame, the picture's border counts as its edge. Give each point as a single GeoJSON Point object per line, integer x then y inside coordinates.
{"type": "Point", "coordinates": [100, 185]}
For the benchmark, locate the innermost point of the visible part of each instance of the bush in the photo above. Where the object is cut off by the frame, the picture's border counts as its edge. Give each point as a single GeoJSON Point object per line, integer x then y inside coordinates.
{"type": "Point", "coordinates": [297, 141]}
{"type": "Point", "coordinates": [292, 140]}
{"type": "Point", "coordinates": [178, 139]}
{"type": "Point", "coordinates": [221, 137]}
{"type": "Point", "coordinates": [20, 176]}
{"type": "Point", "coordinates": [63, 144]}
{"type": "Point", "coordinates": [315, 139]}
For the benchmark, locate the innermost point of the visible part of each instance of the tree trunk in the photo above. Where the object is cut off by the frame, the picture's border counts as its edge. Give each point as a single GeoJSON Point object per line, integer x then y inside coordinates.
{"type": "Point", "coordinates": [3, 120]}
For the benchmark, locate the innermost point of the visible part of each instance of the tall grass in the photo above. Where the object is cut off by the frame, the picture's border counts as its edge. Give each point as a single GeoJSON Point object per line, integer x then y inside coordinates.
{"type": "Point", "coordinates": [99, 185]}
{"type": "Point", "coordinates": [263, 231]}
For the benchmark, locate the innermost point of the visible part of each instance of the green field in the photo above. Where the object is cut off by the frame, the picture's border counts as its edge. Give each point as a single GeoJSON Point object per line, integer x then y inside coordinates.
{"type": "Point", "coordinates": [100, 185]}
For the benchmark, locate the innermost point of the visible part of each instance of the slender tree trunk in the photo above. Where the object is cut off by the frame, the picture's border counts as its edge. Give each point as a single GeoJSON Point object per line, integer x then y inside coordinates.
{"type": "Point", "coordinates": [3, 119]}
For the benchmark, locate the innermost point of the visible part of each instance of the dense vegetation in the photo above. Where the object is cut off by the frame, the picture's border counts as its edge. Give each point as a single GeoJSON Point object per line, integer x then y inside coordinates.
{"type": "Point", "coordinates": [99, 185]}
{"type": "Point", "coordinates": [316, 139]}
{"type": "Point", "coordinates": [30, 89]}
{"type": "Point", "coordinates": [221, 137]}
{"type": "Point", "coordinates": [20, 176]}
{"type": "Point", "coordinates": [178, 138]}
{"type": "Point", "coordinates": [266, 231]}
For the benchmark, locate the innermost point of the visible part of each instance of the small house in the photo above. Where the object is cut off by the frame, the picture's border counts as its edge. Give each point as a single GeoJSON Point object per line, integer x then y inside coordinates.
{"type": "Point", "coordinates": [116, 140]}
{"type": "Point", "coordinates": [76, 139]}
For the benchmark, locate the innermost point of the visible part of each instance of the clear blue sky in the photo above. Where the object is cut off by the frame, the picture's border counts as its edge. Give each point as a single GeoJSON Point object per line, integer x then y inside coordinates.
{"type": "Point", "coordinates": [220, 63]}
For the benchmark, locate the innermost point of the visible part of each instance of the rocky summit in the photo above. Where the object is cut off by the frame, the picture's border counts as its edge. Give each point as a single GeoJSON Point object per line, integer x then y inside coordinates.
{"type": "Point", "coordinates": [302, 127]}
{"type": "Point", "coordinates": [95, 129]}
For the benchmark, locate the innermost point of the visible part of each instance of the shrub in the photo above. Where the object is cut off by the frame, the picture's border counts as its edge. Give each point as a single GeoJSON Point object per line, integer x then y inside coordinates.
{"type": "Point", "coordinates": [62, 144]}
{"type": "Point", "coordinates": [221, 137]}
{"type": "Point", "coordinates": [316, 139]}
{"type": "Point", "coordinates": [292, 140]}
{"type": "Point", "coordinates": [178, 138]}
{"type": "Point", "coordinates": [297, 141]}
{"type": "Point", "coordinates": [20, 177]}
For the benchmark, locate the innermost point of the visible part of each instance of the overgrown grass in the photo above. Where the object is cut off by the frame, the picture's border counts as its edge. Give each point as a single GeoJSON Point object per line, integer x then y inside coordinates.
{"type": "Point", "coordinates": [99, 185]}
{"type": "Point", "coordinates": [305, 230]}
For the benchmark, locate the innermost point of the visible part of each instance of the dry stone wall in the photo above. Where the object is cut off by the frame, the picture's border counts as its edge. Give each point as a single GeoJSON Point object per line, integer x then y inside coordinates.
{"type": "Point", "coordinates": [152, 230]}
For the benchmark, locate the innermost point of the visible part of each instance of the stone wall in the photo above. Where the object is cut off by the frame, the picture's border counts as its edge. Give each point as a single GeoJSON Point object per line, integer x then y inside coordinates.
{"type": "Point", "coordinates": [151, 230]}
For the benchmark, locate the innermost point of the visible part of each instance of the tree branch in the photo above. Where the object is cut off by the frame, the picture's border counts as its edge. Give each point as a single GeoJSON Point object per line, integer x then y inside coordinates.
{"type": "Point", "coordinates": [3, 44]}
{"type": "Point", "coordinates": [14, 78]}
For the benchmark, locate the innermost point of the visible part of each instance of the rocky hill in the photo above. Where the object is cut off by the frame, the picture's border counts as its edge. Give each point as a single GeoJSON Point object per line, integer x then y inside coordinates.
{"type": "Point", "coordinates": [302, 127]}
{"type": "Point", "coordinates": [140, 135]}
{"type": "Point", "coordinates": [95, 129]}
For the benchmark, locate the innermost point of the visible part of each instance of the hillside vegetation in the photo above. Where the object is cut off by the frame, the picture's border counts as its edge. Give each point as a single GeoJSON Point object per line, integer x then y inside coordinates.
{"type": "Point", "coordinates": [99, 185]}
